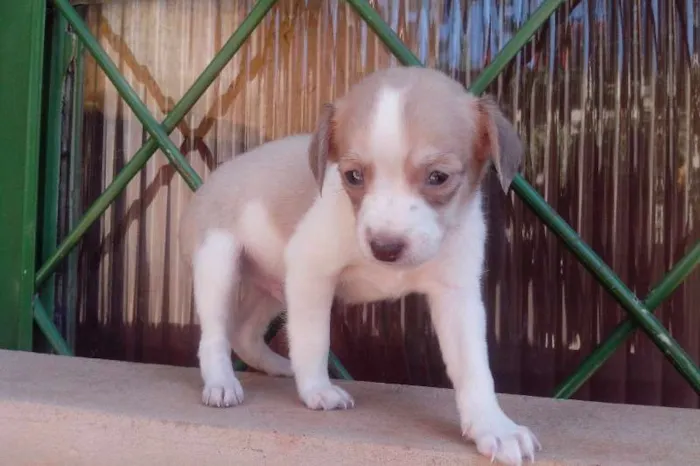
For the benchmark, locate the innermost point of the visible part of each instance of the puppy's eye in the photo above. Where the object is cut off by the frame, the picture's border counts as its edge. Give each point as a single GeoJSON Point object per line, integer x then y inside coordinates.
{"type": "Point", "coordinates": [436, 178]}
{"type": "Point", "coordinates": [354, 177]}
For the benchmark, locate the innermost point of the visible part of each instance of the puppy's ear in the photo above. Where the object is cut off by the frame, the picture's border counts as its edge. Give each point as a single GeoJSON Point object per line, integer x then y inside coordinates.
{"type": "Point", "coordinates": [498, 139]}
{"type": "Point", "coordinates": [322, 148]}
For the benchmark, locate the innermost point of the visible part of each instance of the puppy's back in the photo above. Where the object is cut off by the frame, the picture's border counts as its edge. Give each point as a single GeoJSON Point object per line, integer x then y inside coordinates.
{"type": "Point", "coordinates": [275, 176]}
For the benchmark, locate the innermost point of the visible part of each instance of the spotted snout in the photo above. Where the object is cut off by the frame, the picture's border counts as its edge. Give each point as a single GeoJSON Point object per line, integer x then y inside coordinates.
{"type": "Point", "coordinates": [396, 232]}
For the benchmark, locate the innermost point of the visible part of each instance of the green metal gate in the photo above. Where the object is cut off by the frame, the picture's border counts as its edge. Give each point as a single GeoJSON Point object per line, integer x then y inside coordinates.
{"type": "Point", "coordinates": [26, 297]}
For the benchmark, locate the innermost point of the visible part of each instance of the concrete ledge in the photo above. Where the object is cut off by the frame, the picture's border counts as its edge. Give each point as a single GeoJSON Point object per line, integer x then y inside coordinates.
{"type": "Point", "coordinates": [73, 411]}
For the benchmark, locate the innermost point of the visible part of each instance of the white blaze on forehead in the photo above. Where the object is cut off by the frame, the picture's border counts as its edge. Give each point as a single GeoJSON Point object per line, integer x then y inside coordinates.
{"type": "Point", "coordinates": [387, 138]}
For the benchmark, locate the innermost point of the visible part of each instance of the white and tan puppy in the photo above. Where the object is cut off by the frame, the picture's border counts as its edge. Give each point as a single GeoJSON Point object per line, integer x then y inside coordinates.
{"type": "Point", "coordinates": [381, 201]}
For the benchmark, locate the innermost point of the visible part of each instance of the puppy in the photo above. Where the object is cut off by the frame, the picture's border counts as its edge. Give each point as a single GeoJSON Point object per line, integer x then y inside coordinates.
{"type": "Point", "coordinates": [380, 201]}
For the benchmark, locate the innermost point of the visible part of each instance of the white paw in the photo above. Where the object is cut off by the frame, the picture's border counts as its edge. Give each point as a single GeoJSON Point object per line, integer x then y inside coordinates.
{"type": "Point", "coordinates": [223, 395]}
{"type": "Point", "coordinates": [499, 438]}
{"type": "Point", "coordinates": [327, 397]}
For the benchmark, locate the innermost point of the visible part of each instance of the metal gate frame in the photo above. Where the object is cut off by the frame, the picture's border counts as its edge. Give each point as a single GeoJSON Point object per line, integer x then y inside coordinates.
{"type": "Point", "coordinates": [24, 296]}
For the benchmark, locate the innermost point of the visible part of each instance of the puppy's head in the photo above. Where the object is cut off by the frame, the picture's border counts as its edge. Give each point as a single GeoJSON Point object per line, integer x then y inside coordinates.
{"type": "Point", "coordinates": [411, 147]}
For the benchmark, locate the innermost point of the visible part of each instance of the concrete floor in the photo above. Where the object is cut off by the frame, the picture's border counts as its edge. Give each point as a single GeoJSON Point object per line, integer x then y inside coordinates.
{"type": "Point", "coordinates": [73, 411]}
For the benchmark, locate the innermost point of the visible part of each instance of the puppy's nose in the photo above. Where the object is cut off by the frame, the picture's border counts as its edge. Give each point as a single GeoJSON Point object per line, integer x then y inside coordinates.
{"type": "Point", "coordinates": [387, 248]}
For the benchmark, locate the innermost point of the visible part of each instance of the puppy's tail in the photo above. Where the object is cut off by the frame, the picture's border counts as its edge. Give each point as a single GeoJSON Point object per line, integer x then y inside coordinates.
{"type": "Point", "coordinates": [255, 310]}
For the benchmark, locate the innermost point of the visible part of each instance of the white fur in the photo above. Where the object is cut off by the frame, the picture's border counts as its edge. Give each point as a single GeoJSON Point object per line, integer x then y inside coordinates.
{"type": "Point", "coordinates": [326, 255]}
{"type": "Point", "coordinates": [216, 284]}
{"type": "Point", "coordinates": [215, 273]}
{"type": "Point", "coordinates": [387, 139]}
{"type": "Point", "coordinates": [262, 241]}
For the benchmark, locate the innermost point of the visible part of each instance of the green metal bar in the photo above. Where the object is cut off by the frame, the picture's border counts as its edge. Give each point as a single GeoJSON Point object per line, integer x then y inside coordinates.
{"type": "Point", "coordinates": [611, 282]}
{"type": "Point", "coordinates": [337, 367]}
{"type": "Point", "coordinates": [534, 22]}
{"type": "Point", "coordinates": [239, 365]}
{"type": "Point", "coordinates": [585, 255]}
{"type": "Point", "coordinates": [47, 327]}
{"type": "Point", "coordinates": [658, 294]}
{"type": "Point", "coordinates": [75, 165]}
{"type": "Point", "coordinates": [51, 158]}
{"type": "Point", "coordinates": [21, 65]}
{"type": "Point", "coordinates": [129, 95]}
{"type": "Point", "coordinates": [142, 156]}
{"type": "Point", "coordinates": [384, 32]}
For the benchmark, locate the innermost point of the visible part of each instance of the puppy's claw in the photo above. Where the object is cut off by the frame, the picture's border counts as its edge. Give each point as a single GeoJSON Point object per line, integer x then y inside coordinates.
{"type": "Point", "coordinates": [494, 448]}
{"type": "Point", "coordinates": [538, 445]}
{"type": "Point", "coordinates": [223, 395]}
{"type": "Point", "coordinates": [326, 398]}
{"type": "Point", "coordinates": [503, 441]}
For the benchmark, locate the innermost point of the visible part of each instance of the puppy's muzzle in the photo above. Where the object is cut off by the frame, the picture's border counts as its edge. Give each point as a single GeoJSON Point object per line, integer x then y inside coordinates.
{"type": "Point", "coordinates": [387, 248]}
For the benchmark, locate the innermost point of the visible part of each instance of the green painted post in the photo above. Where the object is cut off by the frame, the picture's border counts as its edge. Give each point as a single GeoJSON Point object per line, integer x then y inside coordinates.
{"type": "Point", "coordinates": [75, 164]}
{"type": "Point", "coordinates": [21, 56]}
{"type": "Point", "coordinates": [50, 157]}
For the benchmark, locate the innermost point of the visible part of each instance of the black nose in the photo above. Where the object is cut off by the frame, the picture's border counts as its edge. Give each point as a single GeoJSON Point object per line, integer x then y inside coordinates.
{"type": "Point", "coordinates": [387, 249]}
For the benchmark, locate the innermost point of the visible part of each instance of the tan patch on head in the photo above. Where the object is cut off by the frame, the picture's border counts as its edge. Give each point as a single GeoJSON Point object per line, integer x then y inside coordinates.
{"type": "Point", "coordinates": [485, 141]}
{"type": "Point", "coordinates": [444, 126]}
{"type": "Point", "coordinates": [322, 148]}
{"type": "Point", "coordinates": [503, 144]}
{"type": "Point", "coordinates": [354, 117]}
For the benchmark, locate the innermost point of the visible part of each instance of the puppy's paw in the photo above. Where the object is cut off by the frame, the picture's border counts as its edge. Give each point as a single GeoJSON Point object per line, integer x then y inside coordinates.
{"type": "Point", "coordinates": [499, 438]}
{"type": "Point", "coordinates": [223, 394]}
{"type": "Point", "coordinates": [327, 397]}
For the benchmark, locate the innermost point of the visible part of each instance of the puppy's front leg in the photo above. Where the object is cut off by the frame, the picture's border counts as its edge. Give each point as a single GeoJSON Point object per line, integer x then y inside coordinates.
{"type": "Point", "coordinates": [460, 322]}
{"type": "Point", "coordinates": [309, 298]}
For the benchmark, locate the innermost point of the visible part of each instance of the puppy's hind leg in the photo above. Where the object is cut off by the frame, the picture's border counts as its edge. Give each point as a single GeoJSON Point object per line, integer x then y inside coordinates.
{"type": "Point", "coordinates": [216, 270]}
{"type": "Point", "coordinates": [256, 310]}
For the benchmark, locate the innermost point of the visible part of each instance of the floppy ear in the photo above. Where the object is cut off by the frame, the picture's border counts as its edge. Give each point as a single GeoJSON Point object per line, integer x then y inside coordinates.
{"type": "Point", "coordinates": [322, 146]}
{"type": "Point", "coordinates": [498, 139]}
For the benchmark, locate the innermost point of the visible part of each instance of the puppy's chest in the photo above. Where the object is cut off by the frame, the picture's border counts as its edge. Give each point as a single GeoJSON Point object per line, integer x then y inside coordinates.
{"type": "Point", "coordinates": [365, 282]}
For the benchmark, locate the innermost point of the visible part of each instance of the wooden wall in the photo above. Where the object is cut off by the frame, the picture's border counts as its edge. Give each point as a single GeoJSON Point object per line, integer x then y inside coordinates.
{"type": "Point", "coordinates": [606, 98]}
